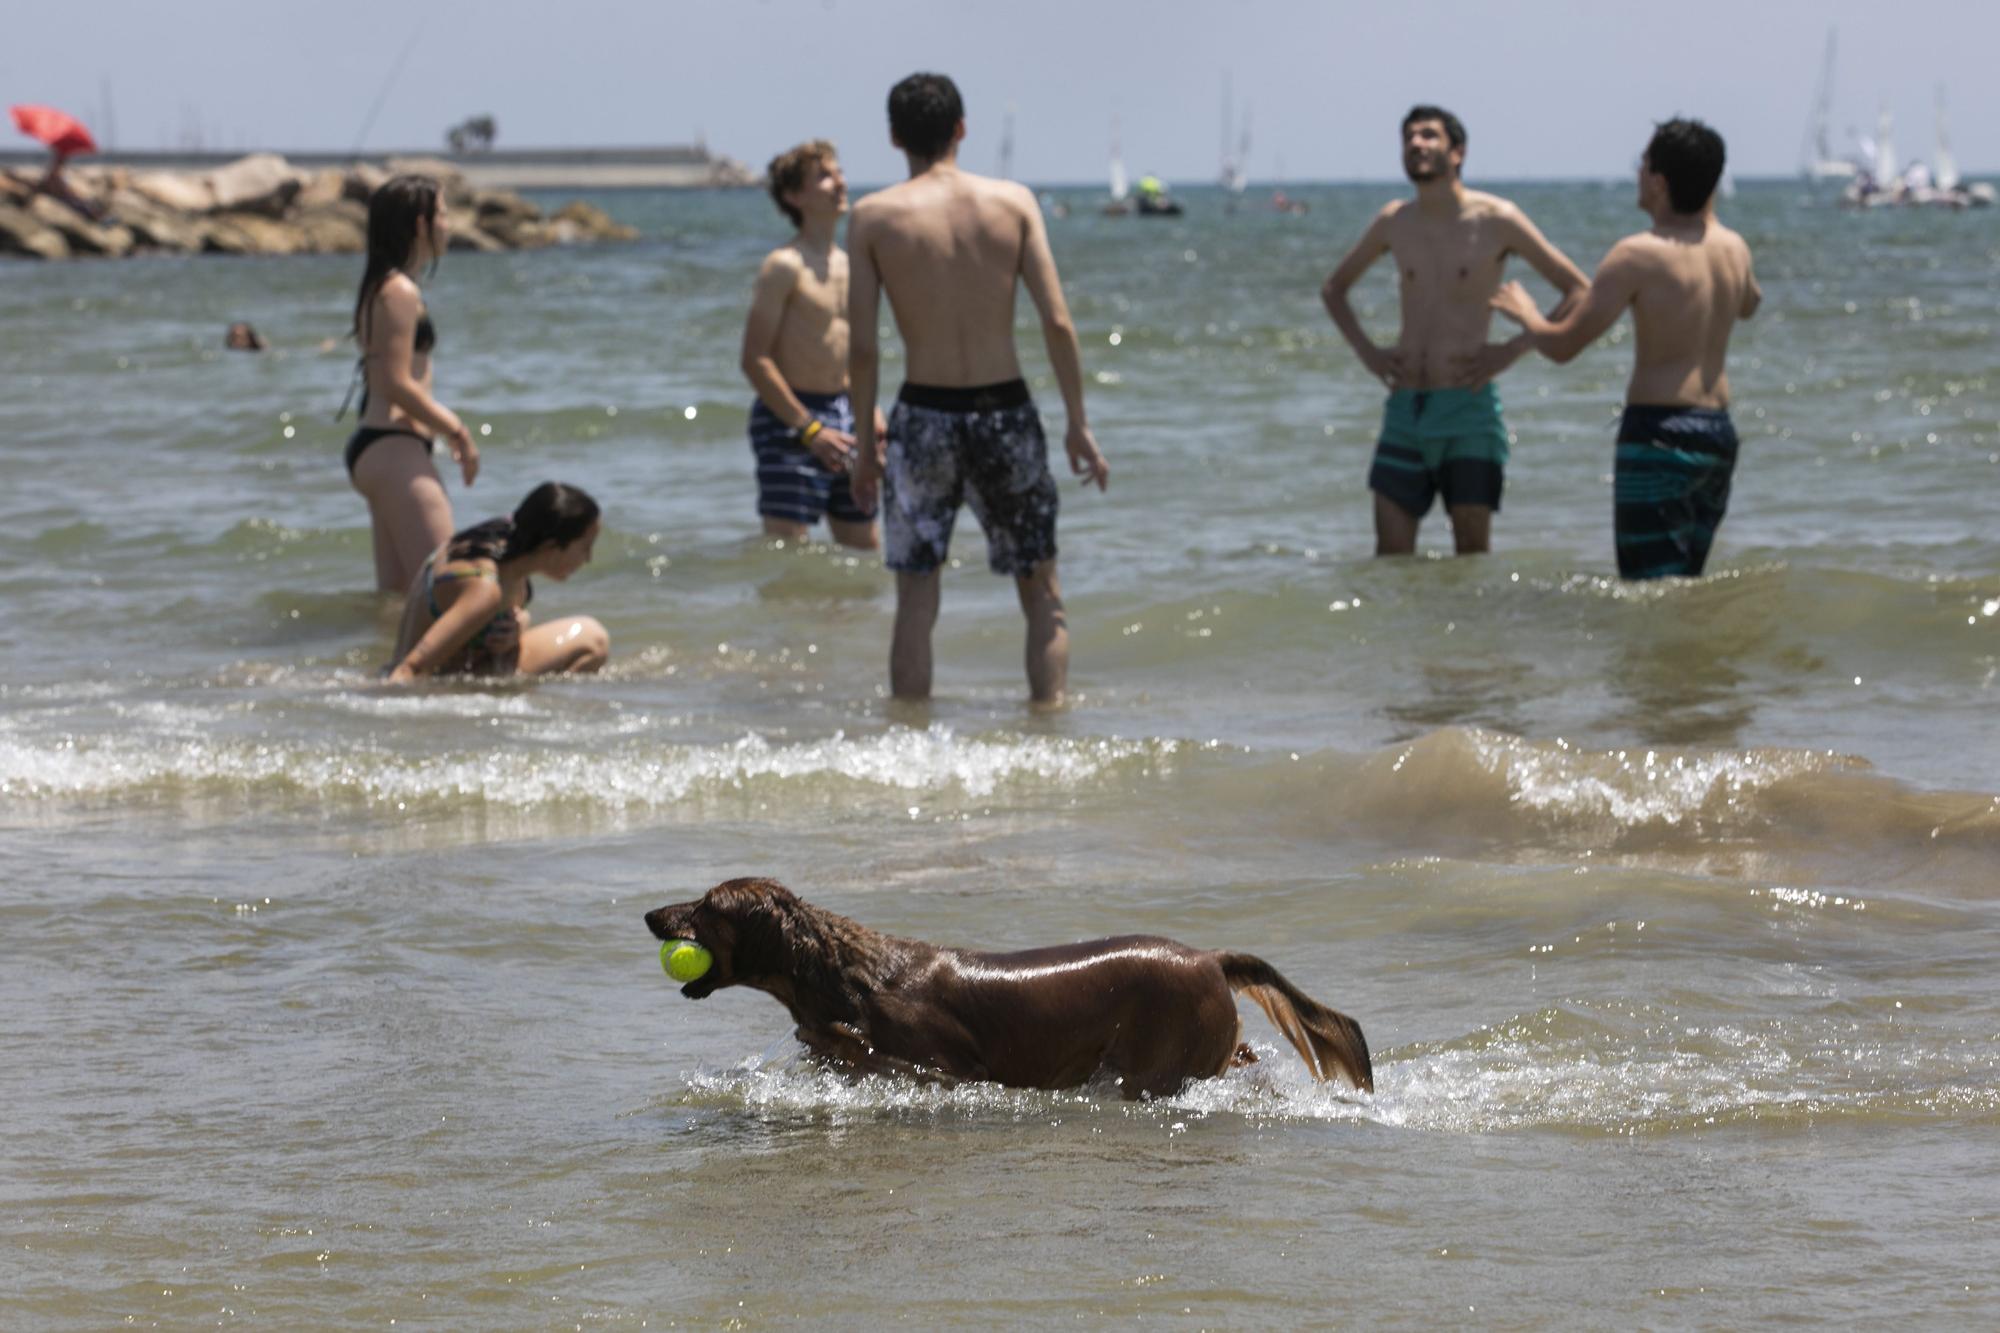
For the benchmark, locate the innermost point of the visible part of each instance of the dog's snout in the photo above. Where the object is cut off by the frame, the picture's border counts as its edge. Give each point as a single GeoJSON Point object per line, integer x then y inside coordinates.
{"type": "Point", "coordinates": [664, 922]}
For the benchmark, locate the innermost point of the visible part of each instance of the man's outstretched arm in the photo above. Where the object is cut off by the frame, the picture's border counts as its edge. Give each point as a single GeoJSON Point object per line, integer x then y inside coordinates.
{"type": "Point", "coordinates": [1038, 271]}
{"type": "Point", "coordinates": [1560, 338]}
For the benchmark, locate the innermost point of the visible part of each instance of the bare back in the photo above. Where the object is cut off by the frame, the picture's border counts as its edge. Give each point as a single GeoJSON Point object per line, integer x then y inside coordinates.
{"type": "Point", "coordinates": [948, 246]}
{"type": "Point", "coordinates": [1690, 286]}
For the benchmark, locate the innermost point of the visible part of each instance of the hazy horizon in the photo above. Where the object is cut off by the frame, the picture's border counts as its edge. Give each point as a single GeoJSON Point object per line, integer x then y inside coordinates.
{"type": "Point", "coordinates": [1549, 90]}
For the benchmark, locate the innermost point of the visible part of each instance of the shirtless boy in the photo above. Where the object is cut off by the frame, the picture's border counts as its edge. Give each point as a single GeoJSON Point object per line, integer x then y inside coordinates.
{"type": "Point", "coordinates": [951, 248]}
{"type": "Point", "coordinates": [1687, 281]}
{"type": "Point", "coordinates": [795, 356]}
{"type": "Point", "coordinates": [1441, 431]}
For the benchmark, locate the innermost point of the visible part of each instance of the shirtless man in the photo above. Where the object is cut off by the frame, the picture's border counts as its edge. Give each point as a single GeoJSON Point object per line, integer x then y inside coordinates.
{"type": "Point", "coordinates": [795, 356]}
{"type": "Point", "coordinates": [1441, 430]}
{"type": "Point", "coordinates": [1687, 281]}
{"type": "Point", "coordinates": [950, 248]}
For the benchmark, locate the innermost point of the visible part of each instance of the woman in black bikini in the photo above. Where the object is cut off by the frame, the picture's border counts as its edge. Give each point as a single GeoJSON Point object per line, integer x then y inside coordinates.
{"type": "Point", "coordinates": [389, 457]}
{"type": "Point", "coordinates": [467, 610]}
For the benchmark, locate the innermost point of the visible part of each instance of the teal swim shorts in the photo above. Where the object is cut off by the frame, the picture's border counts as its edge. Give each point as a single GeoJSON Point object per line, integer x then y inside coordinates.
{"type": "Point", "coordinates": [1441, 441]}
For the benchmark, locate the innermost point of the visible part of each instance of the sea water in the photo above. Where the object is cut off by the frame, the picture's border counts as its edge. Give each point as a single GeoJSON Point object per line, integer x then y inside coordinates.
{"type": "Point", "coordinates": [1669, 909]}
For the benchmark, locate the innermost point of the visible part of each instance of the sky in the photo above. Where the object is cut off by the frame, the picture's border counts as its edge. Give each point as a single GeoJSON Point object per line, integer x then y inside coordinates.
{"type": "Point", "coordinates": [1546, 88]}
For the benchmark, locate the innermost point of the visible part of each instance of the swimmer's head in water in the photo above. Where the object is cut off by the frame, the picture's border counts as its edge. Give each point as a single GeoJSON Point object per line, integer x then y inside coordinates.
{"type": "Point", "coordinates": [1433, 144]}
{"type": "Point", "coordinates": [1684, 162]}
{"type": "Point", "coordinates": [926, 116]}
{"type": "Point", "coordinates": [243, 338]}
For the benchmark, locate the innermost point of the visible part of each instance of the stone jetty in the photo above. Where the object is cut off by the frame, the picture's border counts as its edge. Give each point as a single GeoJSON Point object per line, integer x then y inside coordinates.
{"type": "Point", "coordinates": [263, 205]}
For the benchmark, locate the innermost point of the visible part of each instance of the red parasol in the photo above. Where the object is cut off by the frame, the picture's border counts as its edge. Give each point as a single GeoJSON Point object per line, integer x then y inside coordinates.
{"type": "Point", "coordinates": [58, 129]}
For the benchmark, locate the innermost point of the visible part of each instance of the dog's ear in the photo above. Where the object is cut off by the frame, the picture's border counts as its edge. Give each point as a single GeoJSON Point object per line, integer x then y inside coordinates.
{"type": "Point", "coordinates": [758, 914]}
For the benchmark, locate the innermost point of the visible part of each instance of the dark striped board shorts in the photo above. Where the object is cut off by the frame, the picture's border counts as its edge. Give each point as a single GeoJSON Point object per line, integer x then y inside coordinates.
{"type": "Point", "coordinates": [1670, 488]}
{"type": "Point", "coordinates": [791, 483]}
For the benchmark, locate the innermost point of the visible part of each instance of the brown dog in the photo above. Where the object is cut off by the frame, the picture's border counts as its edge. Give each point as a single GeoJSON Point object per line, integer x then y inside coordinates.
{"type": "Point", "coordinates": [1152, 1012]}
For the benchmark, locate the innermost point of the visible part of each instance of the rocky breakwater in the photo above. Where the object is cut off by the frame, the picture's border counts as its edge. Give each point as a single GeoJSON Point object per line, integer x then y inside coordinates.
{"type": "Point", "coordinates": [262, 205]}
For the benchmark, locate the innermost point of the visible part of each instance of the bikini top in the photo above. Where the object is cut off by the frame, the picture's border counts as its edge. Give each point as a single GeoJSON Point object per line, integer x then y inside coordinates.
{"type": "Point", "coordinates": [424, 340]}
{"type": "Point", "coordinates": [467, 570]}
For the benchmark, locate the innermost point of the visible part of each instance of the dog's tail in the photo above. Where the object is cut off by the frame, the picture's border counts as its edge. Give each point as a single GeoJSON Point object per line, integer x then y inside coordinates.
{"type": "Point", "coordinates": [1325, 1038]}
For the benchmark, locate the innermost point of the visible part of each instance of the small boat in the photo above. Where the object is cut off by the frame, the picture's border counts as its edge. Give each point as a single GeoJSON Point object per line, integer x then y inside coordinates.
{"type": "Point", "coordinates": [1153, 201]}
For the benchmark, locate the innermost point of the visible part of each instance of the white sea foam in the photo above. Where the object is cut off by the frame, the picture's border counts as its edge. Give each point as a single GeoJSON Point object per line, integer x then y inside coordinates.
{"type": "Point", "coordinates": [636, 773]}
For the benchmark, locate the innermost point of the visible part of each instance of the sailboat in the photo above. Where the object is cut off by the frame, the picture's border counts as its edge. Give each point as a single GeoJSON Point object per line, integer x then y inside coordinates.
{"type": "Point", "coordinates": [1120, 202]}
{"type": "Point", "coordinates": [1886, 181]}
{"type": "Point", "coordinates": [1816, 159]}
{"type": "Point", "coordinates": [1235, 174]}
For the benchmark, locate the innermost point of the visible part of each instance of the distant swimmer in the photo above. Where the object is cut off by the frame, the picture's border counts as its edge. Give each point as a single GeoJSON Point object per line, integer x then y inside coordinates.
{"type": "Point", "coordinates": [389, 456]}
{"type": "Point", "coordinates": [1687, 281]}
{"type": "Point", "coordinates": [1441, 431]}
{"type": "Point", "coordinates": [951, 248]}
{"type": "Point", "coordinates": [795, 356]}
{"type": "Point", "coordinates": [467, 610]}
{"type": "Point", "coordinates": [243, 337]}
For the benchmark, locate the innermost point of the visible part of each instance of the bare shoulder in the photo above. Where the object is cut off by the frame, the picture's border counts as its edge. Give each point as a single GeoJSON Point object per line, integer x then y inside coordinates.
{"type": "Point", "coordinates": [1642, 249]}
{"type": "Point", "coordinates": [786, 259]}
{"type": "Point", "coordinates": [877, 204]}
{"type": "Point", "coordinates": [1480, 204]}
{"type": "Point", "coordinates": [1016, 195]}
{"type": "Point", "coordinates": [1732, 240]}
{"type": "Point", "coordinates": [399, 291]}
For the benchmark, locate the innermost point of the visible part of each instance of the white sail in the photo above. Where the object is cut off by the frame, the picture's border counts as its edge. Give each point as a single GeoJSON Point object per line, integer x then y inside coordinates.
{"type": "Point", "coordinates": [1945, 171]}
{"type": "Point", "coordinates": [1885, 147]}
{"type": "Point", "coordinates": [1239, 179]}
{"type": "Point", "coordinates": [1816, 159]}
{"type": "Point", "coordinates": [1120, 187]}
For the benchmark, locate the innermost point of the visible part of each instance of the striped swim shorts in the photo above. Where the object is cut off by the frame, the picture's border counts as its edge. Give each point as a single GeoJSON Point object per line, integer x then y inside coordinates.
{"type": "Point", "coordinates": [1670, 487]}
{"type": "Point", "coordinates": [791, 483]}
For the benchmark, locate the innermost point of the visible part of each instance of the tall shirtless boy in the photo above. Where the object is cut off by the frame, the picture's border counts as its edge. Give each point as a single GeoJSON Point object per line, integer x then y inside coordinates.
{"type": "Point", "coordinates": [951, 248]}
{"type": "Point", "coordinates": [795, 356]}
{"type": "Point", "coordinates": [1441, 431]}
{"type": "Point", "coordinates": [1687, 281]}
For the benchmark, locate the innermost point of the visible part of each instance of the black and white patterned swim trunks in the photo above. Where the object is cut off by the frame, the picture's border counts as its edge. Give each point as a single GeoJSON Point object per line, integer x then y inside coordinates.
{"type": "Point", "coordinates": [983, 447]}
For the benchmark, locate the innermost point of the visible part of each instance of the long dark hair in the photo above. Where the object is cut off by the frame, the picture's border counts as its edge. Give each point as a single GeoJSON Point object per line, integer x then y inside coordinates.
{"type": "Point", "coordinates": [553, 515]}
{"type": "Point", "coordinates": [394, 213]}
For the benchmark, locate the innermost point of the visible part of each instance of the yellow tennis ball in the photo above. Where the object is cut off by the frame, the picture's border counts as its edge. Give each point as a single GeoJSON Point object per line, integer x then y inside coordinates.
{"type": "Point", "coordinates": [685, 960]}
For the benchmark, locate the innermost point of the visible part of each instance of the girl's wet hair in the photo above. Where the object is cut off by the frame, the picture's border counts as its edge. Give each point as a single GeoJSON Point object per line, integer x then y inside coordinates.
{"type": "Point", "coordinates": [554, 514]}
{"type": "Point", "coordinates": [395, 211]}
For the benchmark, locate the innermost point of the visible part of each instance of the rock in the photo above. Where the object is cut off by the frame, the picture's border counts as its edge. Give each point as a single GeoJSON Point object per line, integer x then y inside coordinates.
{"type": "Point", "coordinates": [94, 184]}
{"type": "Point", "coordinates": [333, 231]}
{"type": "Point", "coordinates": [172, 190]}
{"type": "Point", "coordinates": [16, 187]}
{"type": "Point", "coordinates": [84, 236]}
{"type": "Point", "coordinates": [490, 204]}
{"type": "Point", "coordinates": [466, 234]}
{"type": "Point", "coordinates": [594, 222]}
{"type": "Point", "coordinates": [362, 180]}
{"type": "Point", "coordinates": [516, 232]}
{"type": "Point", "coordinates": [254, 234]}
{"type": "Point", "coordinates": [156, 228]}
{"type": "Point", "coordinates": [457, 193]}
{"type": "Point", "coordinates": [322, 188]}
{"type": "Point", "coordinates": [260, 183]}
{"type": "Point", "coordinates": [21, 233]}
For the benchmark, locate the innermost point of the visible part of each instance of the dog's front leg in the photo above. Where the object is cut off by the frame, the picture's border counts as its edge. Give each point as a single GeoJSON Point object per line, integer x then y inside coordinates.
{"type": "Point", "coordinates": [844, 1044]}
